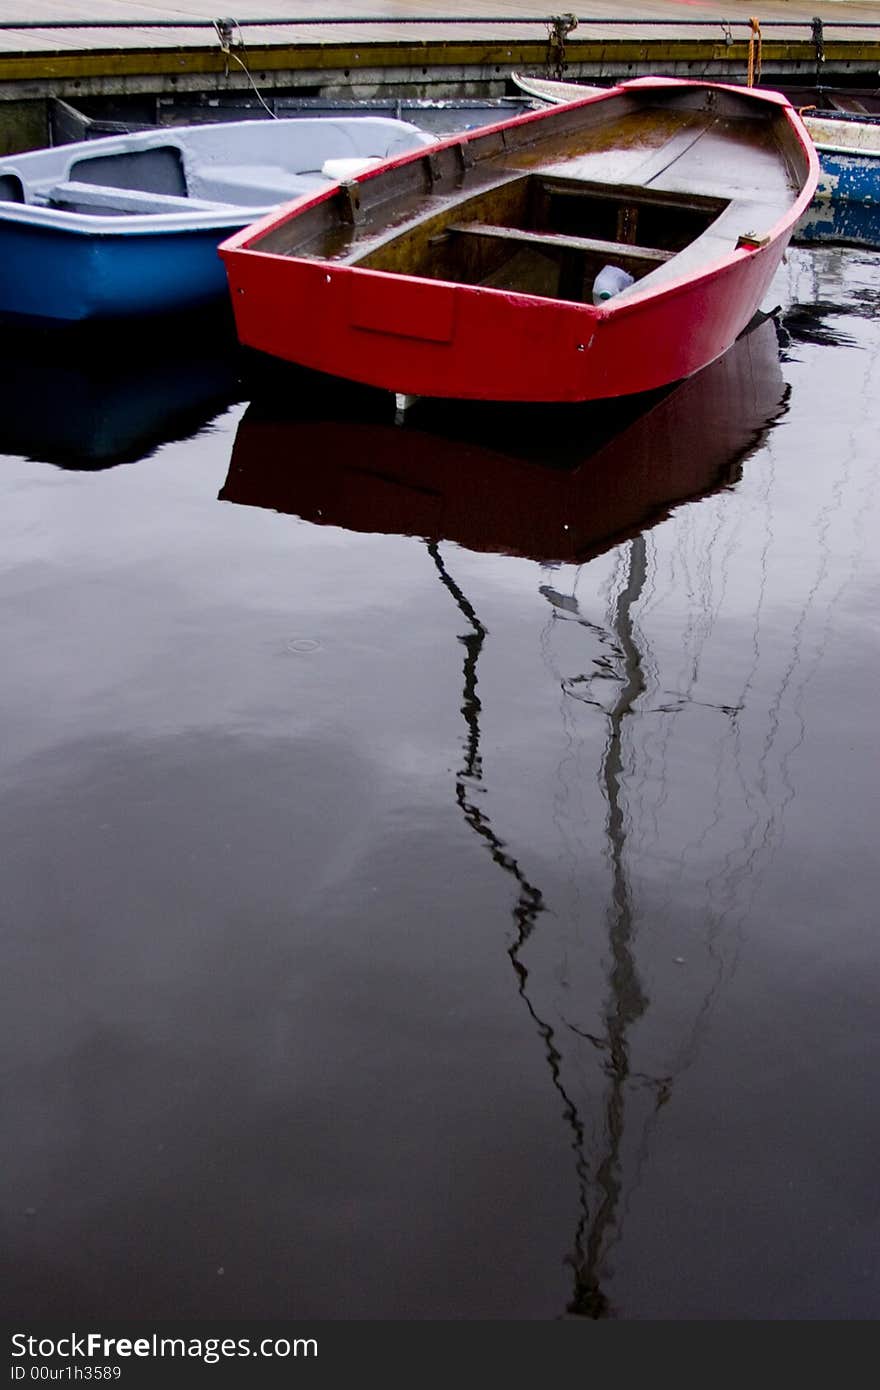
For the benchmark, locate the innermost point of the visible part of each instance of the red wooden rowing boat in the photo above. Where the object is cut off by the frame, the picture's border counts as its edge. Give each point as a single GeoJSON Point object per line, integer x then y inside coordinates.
{"type": "Point", "coordinates": [468, 270]}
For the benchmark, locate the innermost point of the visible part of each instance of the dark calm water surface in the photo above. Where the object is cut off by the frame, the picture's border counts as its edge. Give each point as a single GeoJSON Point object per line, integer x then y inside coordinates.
{"type": "Point", "coordinates": [439, 876]}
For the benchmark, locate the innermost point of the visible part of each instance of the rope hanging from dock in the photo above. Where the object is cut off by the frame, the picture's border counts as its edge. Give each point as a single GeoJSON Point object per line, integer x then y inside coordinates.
{"type": "Point", "coordinates": [559, 26]}
{"type": "Point", "coordinates": [226, 30]}
{"type": "Point", "coordinates": [754, 74]}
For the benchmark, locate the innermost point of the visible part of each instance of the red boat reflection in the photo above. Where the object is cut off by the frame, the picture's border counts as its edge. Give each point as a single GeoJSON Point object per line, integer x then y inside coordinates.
{"type": "Point", "coordinates": [557, 484]}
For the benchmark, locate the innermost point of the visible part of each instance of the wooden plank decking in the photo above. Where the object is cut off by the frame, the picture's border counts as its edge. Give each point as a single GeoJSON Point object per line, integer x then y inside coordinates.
{"type": "Point", "coordinates": [154, 50]}
{"type": "Point", "coordinates": [118, 24]}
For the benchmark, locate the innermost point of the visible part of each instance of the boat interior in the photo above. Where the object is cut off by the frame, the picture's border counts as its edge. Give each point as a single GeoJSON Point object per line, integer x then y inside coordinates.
{"type": "Point", "coordinates": [252, 164]}
{"type": "Point", "coordinates": [646, 180]}
{"type": "Point", "coordinates": [551, 236]}
{"type": "Point", "coordinates": [154, 181]}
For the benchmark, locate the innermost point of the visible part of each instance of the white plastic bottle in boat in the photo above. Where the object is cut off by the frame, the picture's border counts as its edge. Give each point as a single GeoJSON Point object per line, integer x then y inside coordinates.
{"type": "Point", "coordinates": [610, 281]}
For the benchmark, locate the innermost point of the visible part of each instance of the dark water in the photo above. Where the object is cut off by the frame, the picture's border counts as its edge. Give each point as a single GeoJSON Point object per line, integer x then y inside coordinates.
{"type": "Point", "coordinates": [439, 879]}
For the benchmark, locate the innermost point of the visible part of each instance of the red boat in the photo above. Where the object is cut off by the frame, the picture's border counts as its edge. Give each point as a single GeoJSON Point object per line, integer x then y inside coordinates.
{"type": "Point", "coordinates": [474, 269]}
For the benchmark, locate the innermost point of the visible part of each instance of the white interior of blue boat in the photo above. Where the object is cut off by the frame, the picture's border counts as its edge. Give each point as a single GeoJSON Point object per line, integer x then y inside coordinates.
{"type": "Point", "coordinates": [192, 176]}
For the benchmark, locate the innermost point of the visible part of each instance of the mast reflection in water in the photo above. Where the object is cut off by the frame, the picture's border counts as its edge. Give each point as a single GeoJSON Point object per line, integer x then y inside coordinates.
{"type": "Point", "coordinates": [553, 504]}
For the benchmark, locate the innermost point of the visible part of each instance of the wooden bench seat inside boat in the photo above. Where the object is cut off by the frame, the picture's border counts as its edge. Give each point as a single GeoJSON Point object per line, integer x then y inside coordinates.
{"type": "Point", "coordinates": [611, 250]}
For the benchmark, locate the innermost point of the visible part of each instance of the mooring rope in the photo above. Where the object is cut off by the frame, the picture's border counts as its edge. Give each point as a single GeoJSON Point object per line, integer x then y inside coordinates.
{"type": "Point", "coordinates": [224, 29]}
{"type": "Point", "coordinates": [754, 75]}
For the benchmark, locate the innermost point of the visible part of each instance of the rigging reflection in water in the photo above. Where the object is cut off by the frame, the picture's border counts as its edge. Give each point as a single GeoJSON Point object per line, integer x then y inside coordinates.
{"type": "Point", "coordinates": [682, 445]}
{"type": "Point", "coordinates": [626, 1000]}
{"type": "Point", "coordinates": [526, 911]}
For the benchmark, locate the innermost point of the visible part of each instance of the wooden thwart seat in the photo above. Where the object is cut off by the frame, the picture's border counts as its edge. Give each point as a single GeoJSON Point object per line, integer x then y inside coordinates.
{"type": "Point", "coordinates": [559, 241]}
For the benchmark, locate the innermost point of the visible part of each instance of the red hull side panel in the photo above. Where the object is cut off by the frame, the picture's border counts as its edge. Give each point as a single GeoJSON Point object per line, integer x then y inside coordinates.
{"type": "Point", "coordinates": [422, 337]}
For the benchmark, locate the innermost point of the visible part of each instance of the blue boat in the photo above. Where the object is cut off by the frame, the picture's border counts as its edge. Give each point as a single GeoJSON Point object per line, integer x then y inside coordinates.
{"type": "Point", "coordinates": [130, 224]}
{"type": "Point", "coordinates": [845, 223]}
{"type": "Point", "coordinates": [849, 157]}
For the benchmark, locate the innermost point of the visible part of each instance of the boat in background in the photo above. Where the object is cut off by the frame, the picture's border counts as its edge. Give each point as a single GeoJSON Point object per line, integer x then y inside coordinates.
{"type": "Point", "coordinates": [849, 157]}
{"type": "Point", "coordinates": [435, 115]}
{"type": "Point", "coordinates": [129, 224]}
{"type": "Point", "coordinates": [93, 117]}
{"type": "Point", "coordinates": [470, 270]}
{"type": "Point", "coordinates": [553, 485]}
{"type": "Point", "coordinates": [855, 101]}
{"type": "Point", "coordinates": [858, 101]}
{"type": "Point", "coordinates": [841, 223]}
{"type": "Point", "coordinates": [555, 91]}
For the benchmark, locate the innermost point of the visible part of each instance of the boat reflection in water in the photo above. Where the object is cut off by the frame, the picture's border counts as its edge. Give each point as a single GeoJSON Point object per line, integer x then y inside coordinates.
{"type": "Point", "coordinates": [89, 399]}
{"type": "Point", "coordinates": [559, 484]}
{"type": "Point", "coordinates": [846, 223]}
{"type": "Point", "coordinates": [370, 476]}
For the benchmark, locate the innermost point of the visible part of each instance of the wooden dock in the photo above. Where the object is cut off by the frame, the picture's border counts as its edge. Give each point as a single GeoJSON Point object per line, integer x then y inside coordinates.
{"type": "Point", "coordinates": [131, 49]}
